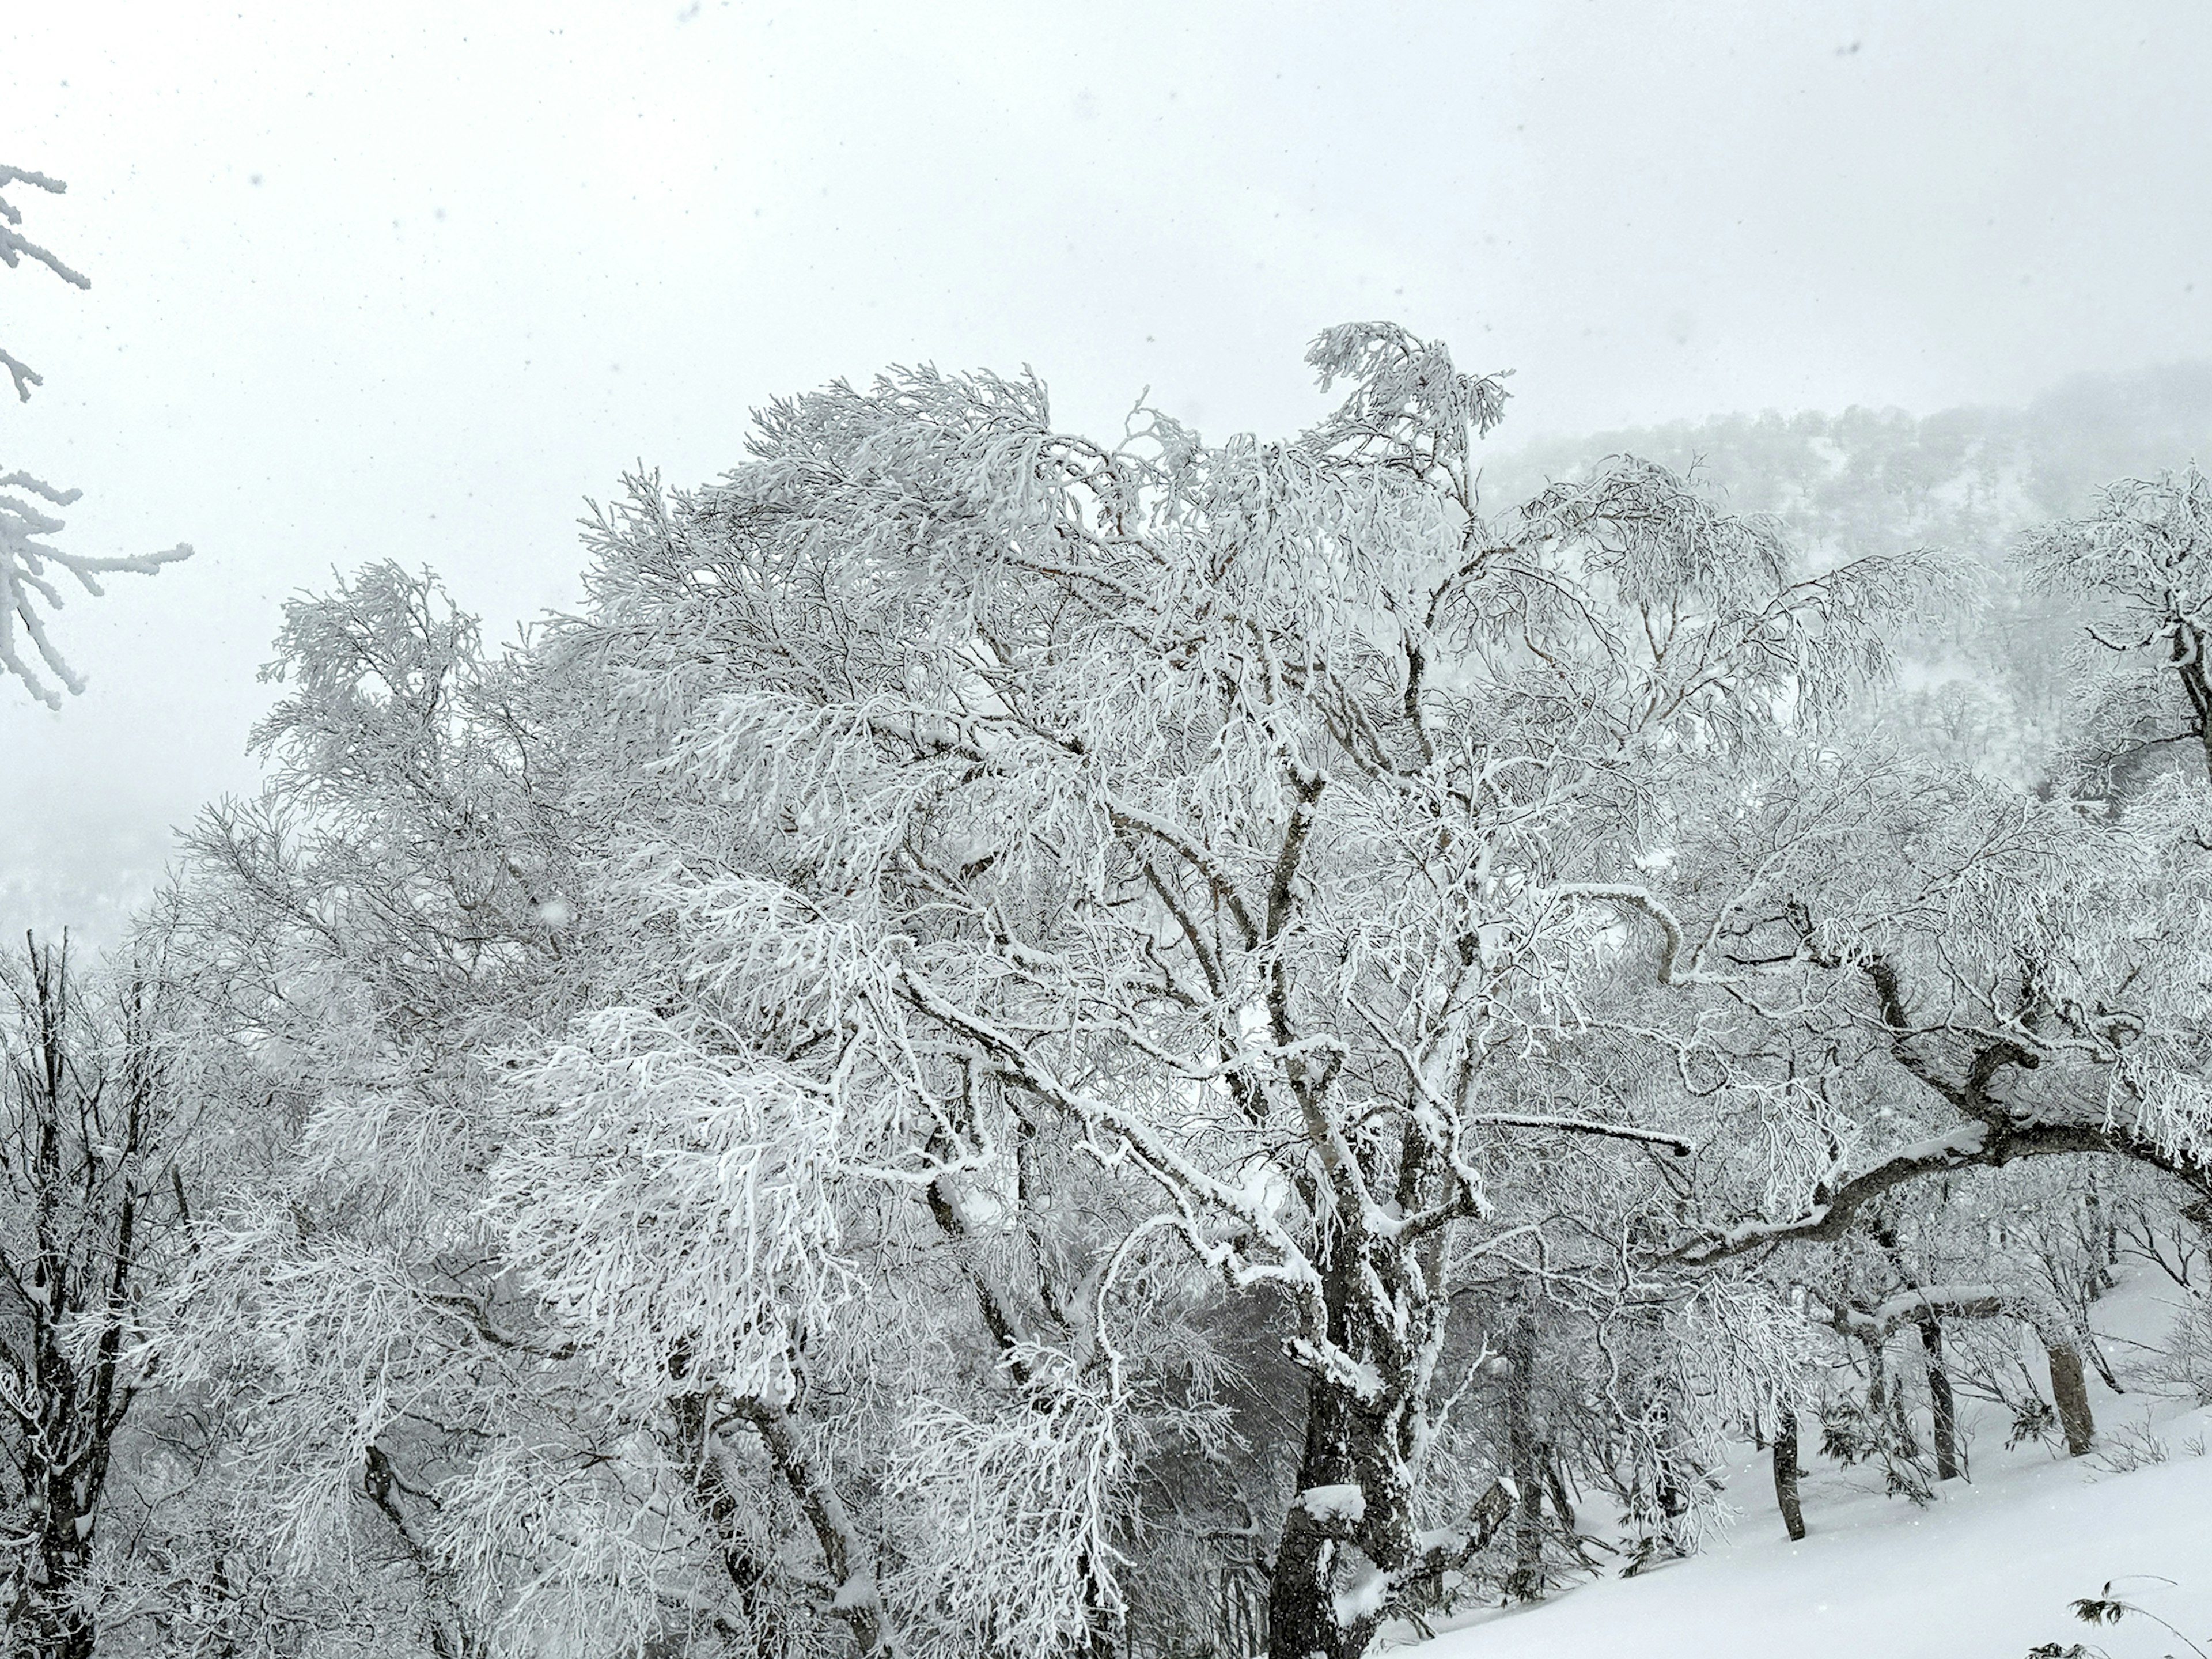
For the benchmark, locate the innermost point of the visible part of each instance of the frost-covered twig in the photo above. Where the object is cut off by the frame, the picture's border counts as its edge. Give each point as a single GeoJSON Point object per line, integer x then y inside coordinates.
{"type": "Point", "coordinates": [28, 569]}
{"type": "Point", "coordinates": [15, 247]}
{"type": "Point", "coordinates": [25, 582]}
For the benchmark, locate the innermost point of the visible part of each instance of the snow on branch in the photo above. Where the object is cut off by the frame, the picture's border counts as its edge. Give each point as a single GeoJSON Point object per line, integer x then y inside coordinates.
{"type": "Point", "coordinates": [1976, 1143]}
{"type": "Point", "coordinates": [30, 569]}
{"type": "Point", "coordinates": [15, 247]}
{"type": "Point", "coordinates": [1929, 1302]}
{"type": "Point", "coordinates": [1585, 1125]}
{"type": "Point", "coordinates": [1675, 967]}
{"type": "Point", "coordinates": [28, 566]}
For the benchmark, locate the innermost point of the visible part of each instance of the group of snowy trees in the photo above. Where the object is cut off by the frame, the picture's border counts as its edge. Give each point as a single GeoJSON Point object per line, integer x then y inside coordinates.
{"type": "Point", "coordinates": [1011, 1045]}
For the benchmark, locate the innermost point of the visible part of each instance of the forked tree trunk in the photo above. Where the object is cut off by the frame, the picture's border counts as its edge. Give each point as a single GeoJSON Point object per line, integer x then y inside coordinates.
{"type": "Point", "coordinates": [1943, 1405]}
{"type": "Point", "coordinates": [80, 1188]}
{"type": "Point", "coordinates": [1785, 1474]}
{"type": "Point", "coordinates": [1354, 1443]}
{"type": "Point", "coordinates": [2069, 1390]}
{"type": "Point", "coordinates": [1562, 1505]}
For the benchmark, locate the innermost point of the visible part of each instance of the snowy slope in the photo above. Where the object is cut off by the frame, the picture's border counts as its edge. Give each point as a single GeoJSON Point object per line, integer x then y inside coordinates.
{"type": "Point", "coordinates": [1986, 1573]}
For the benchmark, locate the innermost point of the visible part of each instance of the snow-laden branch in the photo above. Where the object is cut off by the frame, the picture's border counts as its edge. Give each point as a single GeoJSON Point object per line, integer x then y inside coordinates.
{"type": "Point", "coordinates": [15, 247]}
{"type": "Point", "coordinates": [1973, 1144]}
{"type": "Point", "coordinates": [1925, 1303]}
{"type": "Point", "coordinates": [1674, 968]}
{"type": "Point", "coordinates": [29, 568]}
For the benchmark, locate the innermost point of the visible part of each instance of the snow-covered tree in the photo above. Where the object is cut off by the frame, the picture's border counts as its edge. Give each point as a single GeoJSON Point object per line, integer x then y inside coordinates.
{"type": "Point", "coordinates": [1968, 972]}
{"type": "Point", "coordinates": [1016, 1044]}
{"type": "Point", "coordinates": [1256, 819]}
{"type": "Point", "coordinates": [350, 954]}
{"type": "Point", "coordinates": [90, 1200]}
{"type": "Point", "coordinates": [2142, 564]}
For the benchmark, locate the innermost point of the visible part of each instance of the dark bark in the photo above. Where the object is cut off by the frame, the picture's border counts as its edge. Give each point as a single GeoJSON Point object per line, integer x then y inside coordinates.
{"type": "Point", "coordinates": [719, 1509]}
{"type": "Point", "coordinates": [82, 1198]}
{"type": "Point", "coordinates": [2070, 1391]}
{"type": "Point", "coordinates": [1785, 1474]}
{"type": "Point", "coordinates": [1301, 1593]}
{"type": "Point", "coordinates": [1359, 1440]}
{"type": "Point", "coordinates": [1992, 1131]}
{"type": "Point", "coordinates": [856, 1601]}
{"type": "Point", "coordinates": [1877, 1385]}
{"type": "Point", "coordinates": [1942, 1404]}
{"type": "Point", "coordinates": [443, 1622]}
{"type": "Point", "coordinates": [1526, 1583]}
{"type": "Point", "coordinates": [1555, 1484]}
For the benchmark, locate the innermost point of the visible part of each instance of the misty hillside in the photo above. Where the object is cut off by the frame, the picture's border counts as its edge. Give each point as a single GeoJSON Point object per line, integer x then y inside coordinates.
{"type": "Point", "coordinates": [1870, 480]}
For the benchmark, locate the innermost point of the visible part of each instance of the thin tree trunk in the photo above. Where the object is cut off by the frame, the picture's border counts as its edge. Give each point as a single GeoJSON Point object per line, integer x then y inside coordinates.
{"type": "Point", "coordinates": [81, 1136]}
{"type": "Point", "coordinates": [2069, 1389]}
{"type": "Point", "coordinates": [1942, 1404]}
{"type": "Point", "coordinates": [2102, 1258]}
{"type": "Point", "coordinates": [1555, 1483]}
{"type": "Point", "coordinates": [856, 1598]}
{"type": "Point", "coordinates": [1527, 1581]}
{"type": "Point", "coordinates": [1785, 1474]}
{"type": "Point", "coordinates": [2103, 1366]}
{"type": "Point", "coordinates": [1877, 1383]}
{"type": "Point", "coordinates": [719, 1508]}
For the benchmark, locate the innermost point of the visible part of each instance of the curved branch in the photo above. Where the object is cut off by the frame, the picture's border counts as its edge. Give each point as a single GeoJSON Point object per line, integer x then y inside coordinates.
{"type": "Point", "coordinates": [1976, 1145]}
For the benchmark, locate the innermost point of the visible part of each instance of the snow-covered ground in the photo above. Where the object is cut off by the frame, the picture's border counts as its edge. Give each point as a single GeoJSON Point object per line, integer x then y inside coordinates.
{"type": "Point", "coordinates": [1987, 1572]}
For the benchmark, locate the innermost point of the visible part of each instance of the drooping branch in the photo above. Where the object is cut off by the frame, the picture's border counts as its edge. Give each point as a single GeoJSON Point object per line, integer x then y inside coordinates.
{"type": "Point", "coordinates": [15, 247]}
{"type": "Point", "coordinates": [30, 566]}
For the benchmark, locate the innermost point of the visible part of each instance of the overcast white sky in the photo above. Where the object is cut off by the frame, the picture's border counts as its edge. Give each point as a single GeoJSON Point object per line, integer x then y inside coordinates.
{"type": "Point", "coordinates": [411, 280]}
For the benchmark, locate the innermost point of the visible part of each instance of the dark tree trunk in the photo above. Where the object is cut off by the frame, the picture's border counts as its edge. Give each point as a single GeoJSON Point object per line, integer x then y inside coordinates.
{"type": "Point", "coordinates": [52, 1625]}
{"type": "Point", "coordinates": [1785, 1474]}
{"type": "Point", "coordinates": [1356, 1441]}
{"type": "Point", "coordinates": [1555, 1483]}
{"type": "Point", "coordinates": [1942, 1404]}
{"type": "Point", "coordinates": [1527, 1582]}
{"type": "Point", "coordinates": [1301, 1594]}
{"type": "Point", "coordinates": [1877, 1383]}
{"type": "Point", "coordinates": [719, 1508]}
{"type": "Point", "coordinates": [2070, 1391]}
{"type": "Point", "coordinates": [856, 1601]}
{"type": "Point", "coordinates": [76, 1196]}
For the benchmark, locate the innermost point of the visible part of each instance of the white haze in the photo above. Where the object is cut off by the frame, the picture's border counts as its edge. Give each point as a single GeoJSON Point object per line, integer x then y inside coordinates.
{"type": "Point", "coordinates": [411, 280]}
